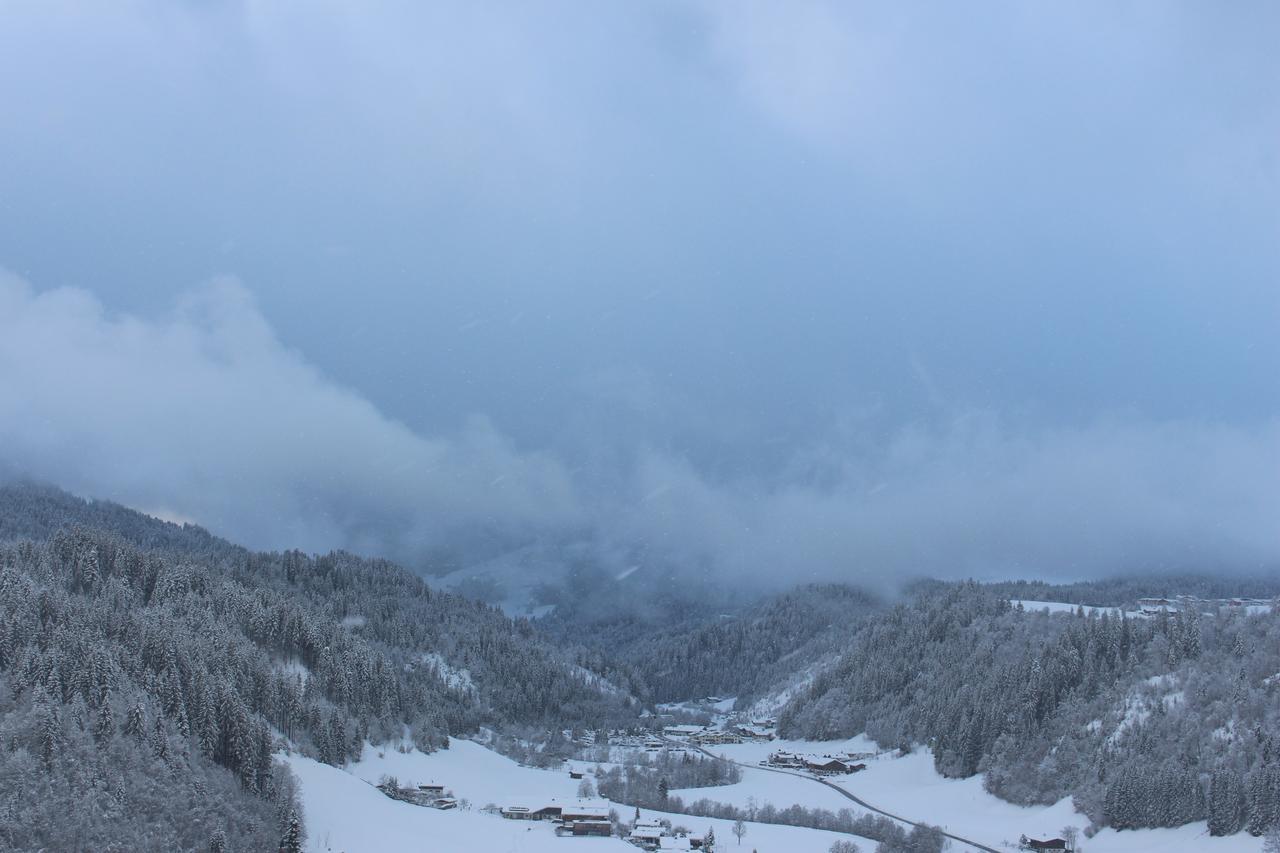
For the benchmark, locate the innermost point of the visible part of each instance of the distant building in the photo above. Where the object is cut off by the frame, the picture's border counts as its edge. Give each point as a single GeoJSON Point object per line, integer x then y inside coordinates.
{"type": "Point", "coordinates": [647, 835]}
{"type": "Point", "coordinates": [585, 827]}
{"type": "Point", "coordinates": [1053, 845]}
{"type": "Point", "coordinates": [553, 809]}
{"type": "Point", "coordinates": [422, 795]}
{"type": "Point", "coordinates": [826, 765]}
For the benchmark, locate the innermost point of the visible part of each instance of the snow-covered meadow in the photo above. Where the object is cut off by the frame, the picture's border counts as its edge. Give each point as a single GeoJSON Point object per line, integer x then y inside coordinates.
{"type": "Point", "coordinates": [909, 786]}
{"type": "Point", "coordinates": [345, 813]}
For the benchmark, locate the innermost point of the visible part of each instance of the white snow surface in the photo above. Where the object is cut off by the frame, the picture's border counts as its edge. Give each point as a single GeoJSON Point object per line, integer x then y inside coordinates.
{"type": "Point", "coordinates": [1063, 607]}
{"type": "Point", "coordinates": [344, 812]}
{"type": "Point", "coordinates": [911, 788]}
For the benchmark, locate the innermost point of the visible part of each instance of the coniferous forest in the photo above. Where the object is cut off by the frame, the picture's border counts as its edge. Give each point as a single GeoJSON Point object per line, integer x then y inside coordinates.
{"type": "Point", "coordinates": [149, 671]}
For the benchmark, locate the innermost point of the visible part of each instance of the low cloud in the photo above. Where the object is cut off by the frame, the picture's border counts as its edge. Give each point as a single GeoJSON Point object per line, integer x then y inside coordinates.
{"type": "Point", "coordinates": [203, 413]}
{"type": "Point", "coordinates": [973, 498]}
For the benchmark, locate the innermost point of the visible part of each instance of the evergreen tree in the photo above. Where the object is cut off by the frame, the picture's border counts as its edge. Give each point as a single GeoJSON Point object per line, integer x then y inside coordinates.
{"type": "Point", "coordinates": [292, 840]}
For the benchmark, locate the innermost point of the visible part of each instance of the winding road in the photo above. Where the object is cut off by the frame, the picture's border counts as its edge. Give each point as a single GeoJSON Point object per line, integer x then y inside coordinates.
{"type": "Point", "coordinates": [846, 794]}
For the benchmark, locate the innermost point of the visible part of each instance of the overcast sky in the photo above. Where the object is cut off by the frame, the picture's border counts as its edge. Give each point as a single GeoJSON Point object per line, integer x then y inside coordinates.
{"type": "Point", "coordinates": [784, 290]}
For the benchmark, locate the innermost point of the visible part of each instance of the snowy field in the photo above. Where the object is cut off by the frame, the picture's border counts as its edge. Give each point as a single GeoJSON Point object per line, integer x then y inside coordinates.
{"type": "Point", "coordinates": [761, 786]}
{"type": "Point", "coordinates": [346, 814]}
{"type": "Point", "coordinates": [1064, 607]}
{"type": "Point", "coordinates": [911, 788]}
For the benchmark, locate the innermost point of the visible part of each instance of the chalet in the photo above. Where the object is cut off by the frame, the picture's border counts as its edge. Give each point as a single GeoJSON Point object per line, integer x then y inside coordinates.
{"type": "Point", "coordinates": [575, 774]}
{"type": "Point", "coordinates": [784, 759]}
{"type": "Point", "coordinates": [525, 812]}
{"type": "Point", "coordinates": [1053, 845]}
{"type": "Point", "coordinates": [828, 764]}
{"type": "Point", "coordinates": [585, 810]}
{"type": "Point", "coordinates": [421, 795]}
{"type": "Point", "coordinates": [445, 803]}
{"type": "Point", "coordinates": [647, 835]}
{"type": "Point", "coordinates": [585, 827]}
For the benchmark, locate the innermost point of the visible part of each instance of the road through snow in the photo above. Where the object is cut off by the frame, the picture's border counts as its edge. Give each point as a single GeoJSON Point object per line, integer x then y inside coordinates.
{"type": "Point", "coordinates": [868, 806]}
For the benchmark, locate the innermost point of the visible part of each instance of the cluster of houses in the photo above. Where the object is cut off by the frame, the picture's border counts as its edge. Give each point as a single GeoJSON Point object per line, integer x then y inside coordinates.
{"type": "Point", "coordinates": [710, 736]}
{"type": "Point", "coordinates": [651, 835]}
{"type": "Point", "coordinates": [572, 817]}
{"type": "Point", "coordinates": [431, 796]}
{"type": "Point", "coordinates": [821, 765]}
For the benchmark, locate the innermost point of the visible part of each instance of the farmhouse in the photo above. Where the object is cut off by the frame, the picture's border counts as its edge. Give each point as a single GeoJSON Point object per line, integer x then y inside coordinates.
{"type": "Point", "coordinates": [585, 810]}
{"type": "Point", "coordinates": [423, 795]}
{"type": "Point", "coordinates": [585, 827]}
{"type": "Point", "coordinates": [784, 759]}
{"type": "Point", "coordinates": [553, 809]}
{"type": "Point", "coordinates": [1053, 845]}
{"type": "Point", "coordinates": [647, 835]}
{"type": "Point", "coordinates": [651, 835]}
{"type": "Point", "coordinates": [531, 812]}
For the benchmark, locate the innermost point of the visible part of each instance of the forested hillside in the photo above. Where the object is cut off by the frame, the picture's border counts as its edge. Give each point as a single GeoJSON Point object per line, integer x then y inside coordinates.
{"type": "Point", "coordinates": [764, 646]}
{"type": "Point", "coordinates": [148, 669]}
{"type": "Point", "coordinates": [1146, 721]}
{"type": "Point", "coordinates": [721, 647]}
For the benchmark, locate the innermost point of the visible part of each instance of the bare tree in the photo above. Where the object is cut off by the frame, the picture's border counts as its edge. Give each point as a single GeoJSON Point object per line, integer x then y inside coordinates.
{"type": "Point", "coordinates": [739, 830]}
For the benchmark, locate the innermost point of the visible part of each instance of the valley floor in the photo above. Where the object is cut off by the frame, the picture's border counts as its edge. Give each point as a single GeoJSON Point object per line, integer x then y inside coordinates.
{"type": "Point", "coordinates": [345, 813]}
{"type": "Point", "coordinates": [910, 787]}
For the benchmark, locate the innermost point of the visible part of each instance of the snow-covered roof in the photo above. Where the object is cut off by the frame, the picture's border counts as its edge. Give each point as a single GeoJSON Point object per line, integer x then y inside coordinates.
{"type": "Point", "coordinates": [648, 831]}
{"type": "Point", "coordinates": [574, 804]}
